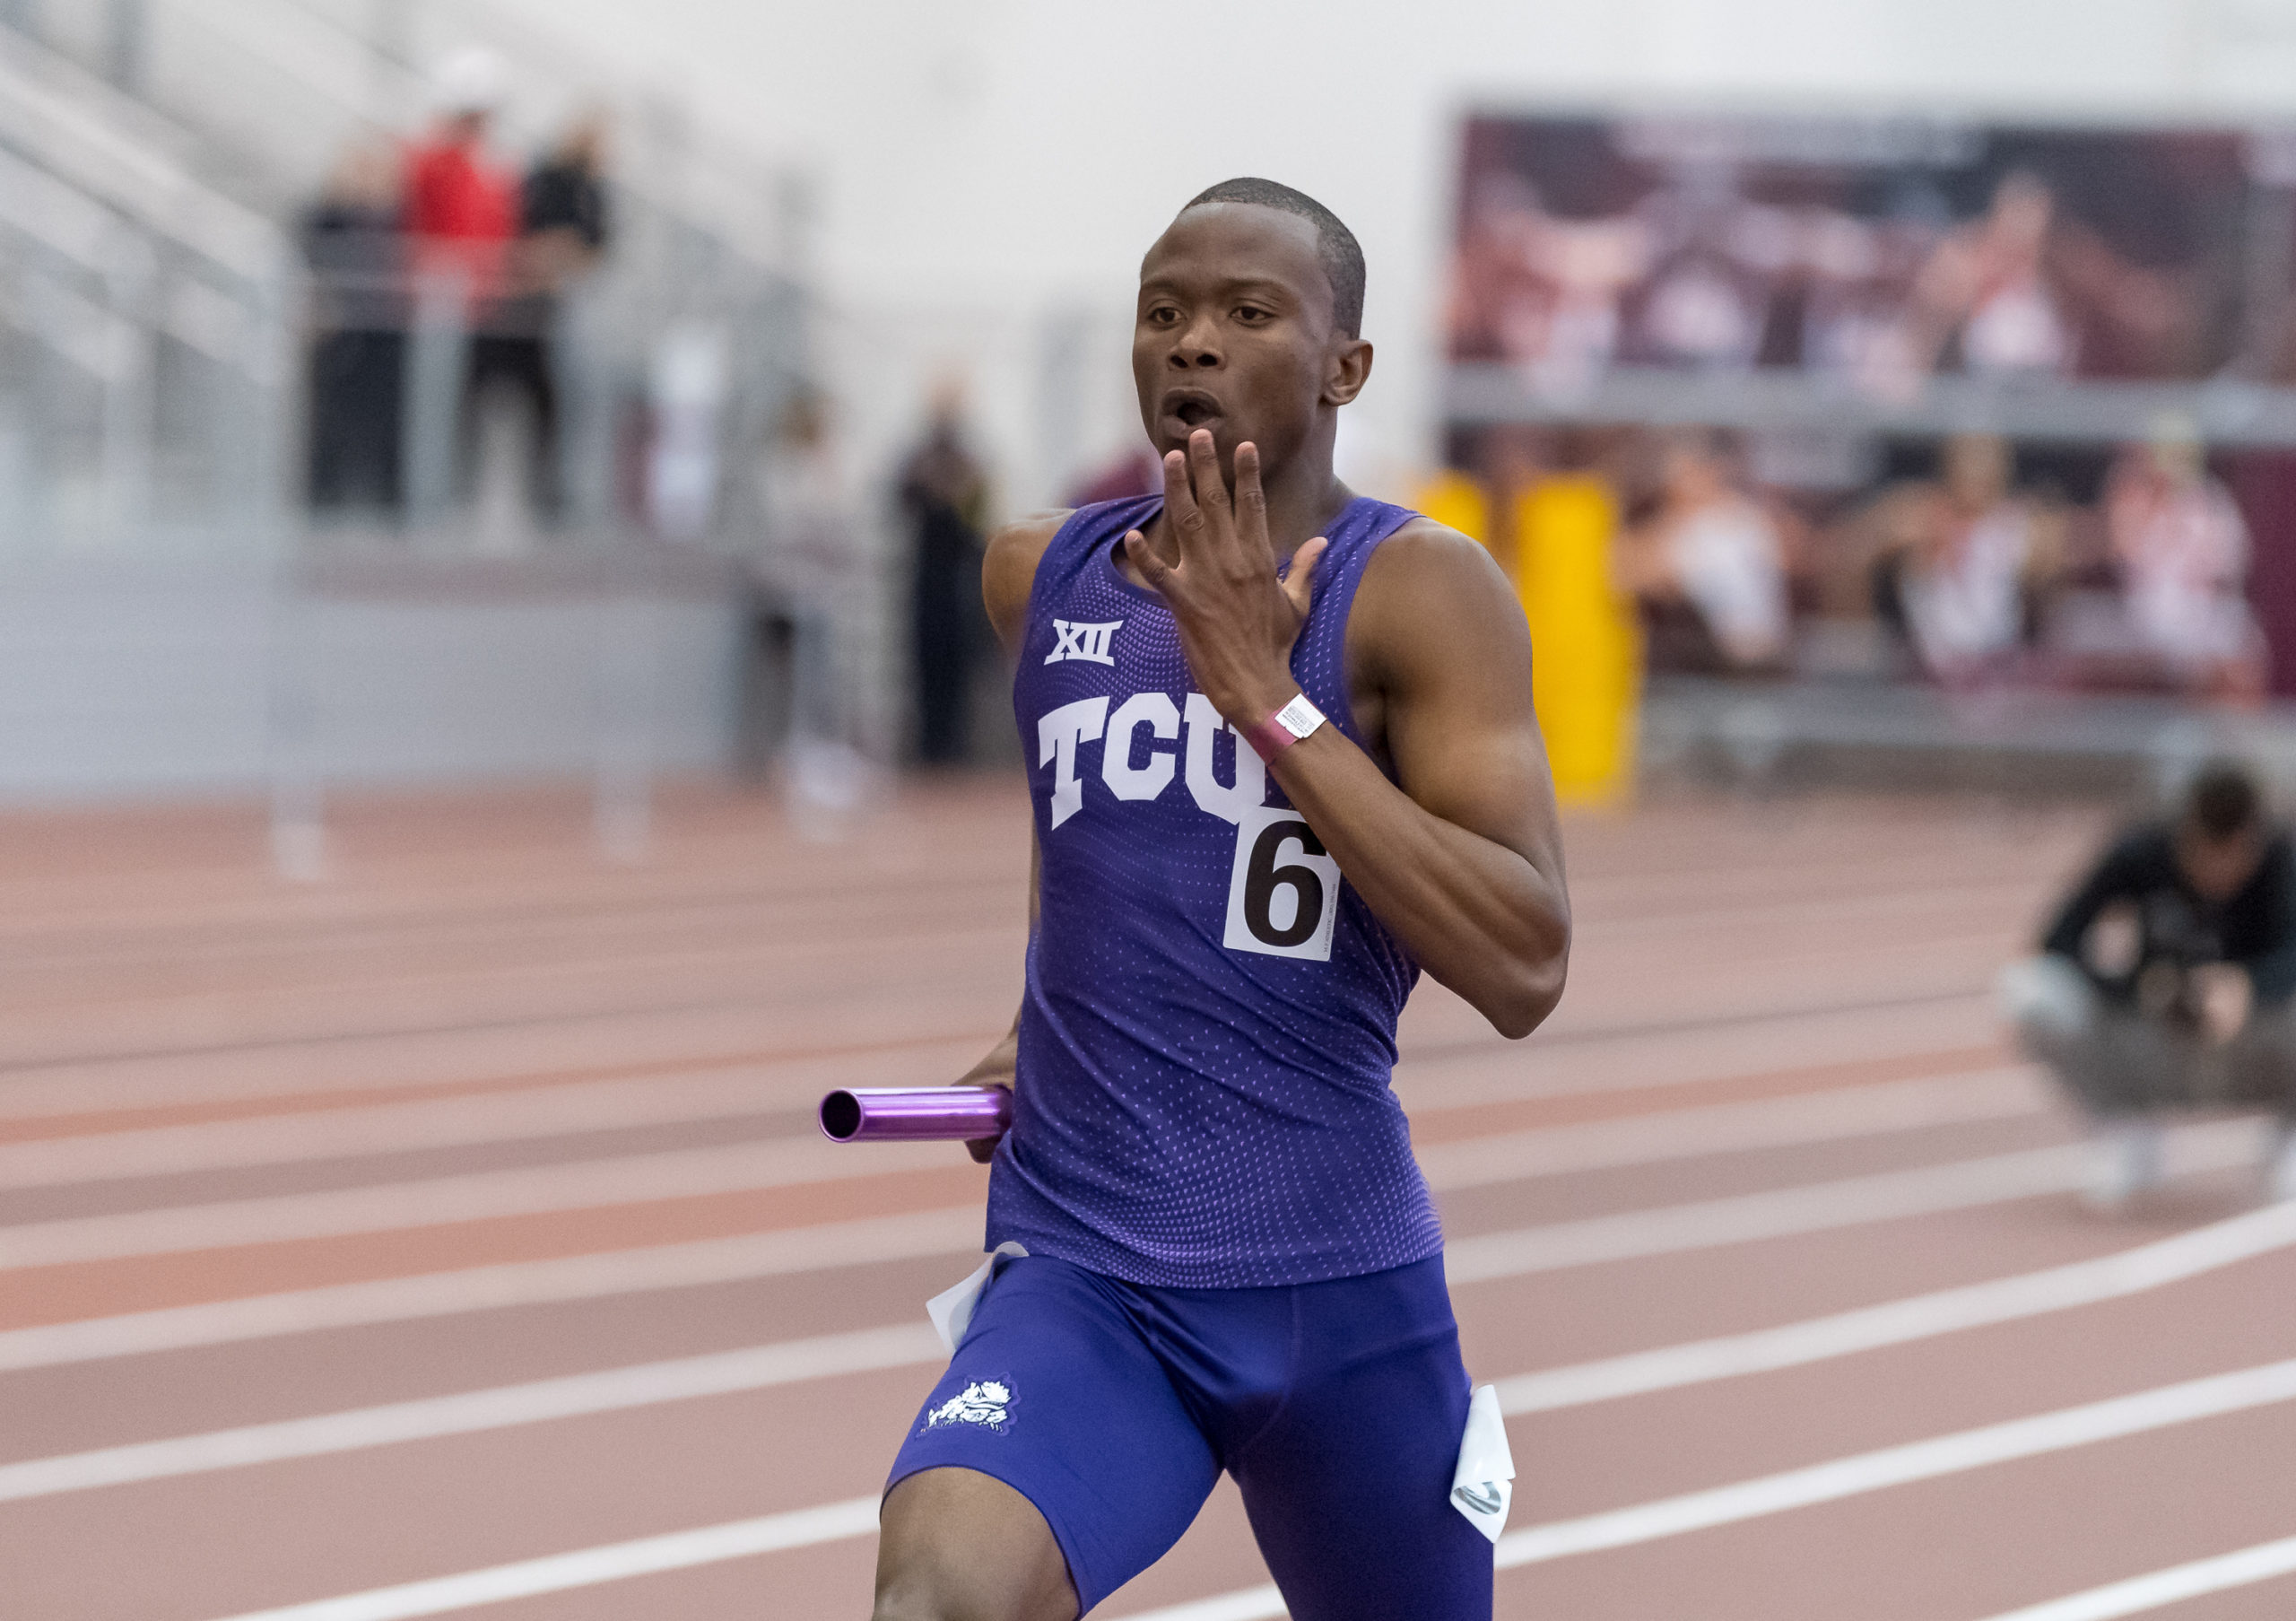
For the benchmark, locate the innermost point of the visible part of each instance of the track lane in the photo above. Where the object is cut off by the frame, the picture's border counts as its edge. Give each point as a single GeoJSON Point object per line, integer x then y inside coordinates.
{"type": "Point", "coordinates": [1662, 895]}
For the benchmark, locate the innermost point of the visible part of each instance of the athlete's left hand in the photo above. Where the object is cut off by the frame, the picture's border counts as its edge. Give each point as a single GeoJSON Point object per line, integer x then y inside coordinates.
{"type": "Point", "coordinates": [1237, 619]}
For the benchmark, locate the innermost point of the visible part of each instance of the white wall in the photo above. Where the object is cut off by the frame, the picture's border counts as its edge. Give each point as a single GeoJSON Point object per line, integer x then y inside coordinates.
{"type": "Point", "coordinates": [981, 168]}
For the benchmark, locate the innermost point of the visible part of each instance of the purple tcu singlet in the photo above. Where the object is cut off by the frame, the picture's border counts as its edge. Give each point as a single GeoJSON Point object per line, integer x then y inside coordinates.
{"type": "Point", "coordinates": [1209, 1026]}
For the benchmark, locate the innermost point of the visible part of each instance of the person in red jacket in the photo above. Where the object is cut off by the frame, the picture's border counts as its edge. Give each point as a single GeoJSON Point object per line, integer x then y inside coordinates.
{"type": "Point", "coordinates": [461, 207]}
{"type": "Point", "coordinates": [461, 215]}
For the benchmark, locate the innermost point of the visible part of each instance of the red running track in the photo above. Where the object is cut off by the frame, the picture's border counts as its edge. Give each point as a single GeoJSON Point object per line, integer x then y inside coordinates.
{"type": "Point", "coordinates": [449, 1237]}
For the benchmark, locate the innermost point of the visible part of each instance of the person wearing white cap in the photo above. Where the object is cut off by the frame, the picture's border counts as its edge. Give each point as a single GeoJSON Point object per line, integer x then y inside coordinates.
{"type": "Point", "coordinates": [461, 207]}
{"type": "Point", "coordinates": [468, 82]}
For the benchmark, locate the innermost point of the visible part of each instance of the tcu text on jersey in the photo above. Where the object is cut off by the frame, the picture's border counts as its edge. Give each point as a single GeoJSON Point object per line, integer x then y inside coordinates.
{"type": "Point", "coordinates": [1283, 887]}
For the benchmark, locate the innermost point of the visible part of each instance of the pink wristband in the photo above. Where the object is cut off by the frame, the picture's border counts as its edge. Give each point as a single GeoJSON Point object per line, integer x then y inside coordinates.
{"type": "Point", "coordinates": [1295, 720]}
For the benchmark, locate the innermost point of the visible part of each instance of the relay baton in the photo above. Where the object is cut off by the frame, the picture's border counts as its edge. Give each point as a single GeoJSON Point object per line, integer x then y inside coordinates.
{"type": "Point", "coordinates": [913, 1114]}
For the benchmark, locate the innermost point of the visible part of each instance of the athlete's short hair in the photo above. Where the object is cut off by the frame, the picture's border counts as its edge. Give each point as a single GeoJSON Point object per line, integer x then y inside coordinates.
{"type": "Point", "coordinates": [1336, 246]}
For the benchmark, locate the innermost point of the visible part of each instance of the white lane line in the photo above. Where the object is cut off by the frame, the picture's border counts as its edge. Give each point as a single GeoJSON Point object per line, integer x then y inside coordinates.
{"type": "Point", "coordinates": [589, 1566]}
{"type": "Point", "coordinates": [2002, 1300]}
{"type": "Point", "coordinates": [1646, 1060]}
{"type": "Point", "coordinates": [539, 1401]}
{"type": "Point", "coordinates": [2012, 901]}
{"type": "Point", "coordinates": [1697, 1130]}
{"type": "Point", "coordinates": [80, 1086]}
{"type": "Point", "coordinates": [1820, 1206]}
{"type": "Point", "coordinates": [954, 1231]}
{"type": "Point", "coordinates": [2067, 1429]}
{"type": "Point", "coordinates": [782, 1162]}
{"type": "Point", "coordinates": [1896, 1322]}
{"type": "Point", "coordinates": [493, 1117]}
{"type": "Point", "coordinates": [2174, 1585]}
{"type": "Point", "coordinates": [1783, 1213]}
{"type": "Point", "coordinates": [2089, 1424]}
{"type": "Point", "coordinates": [474, 1196]}
{"type": "Point", "coordinates": [732, 1091]}
{"type": "Point", "coordinates": [715, 1092]}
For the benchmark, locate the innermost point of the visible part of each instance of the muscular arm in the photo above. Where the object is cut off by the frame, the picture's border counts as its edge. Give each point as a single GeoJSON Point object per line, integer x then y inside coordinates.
{"type": "Point", "coordinates": [1460, 856]}
{"type": "Point", "coordinates": [1008, 572]}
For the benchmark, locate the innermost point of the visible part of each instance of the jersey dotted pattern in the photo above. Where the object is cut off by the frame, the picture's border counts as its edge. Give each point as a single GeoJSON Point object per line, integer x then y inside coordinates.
{"type": "Point", "coordinates": [1208, 1032]}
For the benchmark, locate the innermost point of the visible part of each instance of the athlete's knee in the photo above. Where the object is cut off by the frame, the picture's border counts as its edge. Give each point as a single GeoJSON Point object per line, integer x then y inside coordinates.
{"type": "Point", "coordinates": [958, 1545]}
{"type": "Point", "coordinates": [928, 1585]}
{"type": "Point", "coordinates": [924, 1601]}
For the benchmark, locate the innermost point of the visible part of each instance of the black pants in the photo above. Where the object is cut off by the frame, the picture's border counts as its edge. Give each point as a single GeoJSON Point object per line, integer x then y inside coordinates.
{"type": "Point", "coordinates": [518, 368]}
{"type": "Point", "coordinates": [944, 639]}
{"type": "Point", "coordinates": [358, 382]}
{"type": "Point", "coordinates": [2115, 1060]}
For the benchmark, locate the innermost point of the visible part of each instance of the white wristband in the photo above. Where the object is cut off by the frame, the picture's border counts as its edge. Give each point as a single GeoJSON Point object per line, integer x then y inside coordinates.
{"type": "Point", "coordinates": [1295, 720]}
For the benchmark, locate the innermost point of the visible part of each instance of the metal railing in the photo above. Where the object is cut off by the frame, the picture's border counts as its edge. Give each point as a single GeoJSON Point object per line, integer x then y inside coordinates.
{"type": "Point", "coordinates": [155, 360]}
{"type": "Point", "coordinates": [143, 321]}
{"type": "Point", "coordinates": [157, 328]}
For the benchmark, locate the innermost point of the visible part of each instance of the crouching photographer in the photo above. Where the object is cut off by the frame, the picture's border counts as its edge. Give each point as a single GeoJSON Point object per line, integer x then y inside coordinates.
{"type": "Point", "coordinates": [2165, 982]}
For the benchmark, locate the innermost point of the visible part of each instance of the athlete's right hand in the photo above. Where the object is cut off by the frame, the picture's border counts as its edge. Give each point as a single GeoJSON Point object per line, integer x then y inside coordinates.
{"type": "Point", "coordinates": [982, 1149]}
{"type": "Point", "coordinates": [999, 1068]}
{"type": "Point", "coordinates": [1237, 615]}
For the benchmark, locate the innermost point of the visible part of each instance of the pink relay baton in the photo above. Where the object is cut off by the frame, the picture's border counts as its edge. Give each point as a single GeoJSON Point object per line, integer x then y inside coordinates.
{"type": "Point", "coordinates": [916, 1114]}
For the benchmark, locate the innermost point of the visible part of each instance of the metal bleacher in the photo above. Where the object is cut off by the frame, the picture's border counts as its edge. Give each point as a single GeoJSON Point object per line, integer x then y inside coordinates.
{"type": "Point", "coordinates": [174, 620]}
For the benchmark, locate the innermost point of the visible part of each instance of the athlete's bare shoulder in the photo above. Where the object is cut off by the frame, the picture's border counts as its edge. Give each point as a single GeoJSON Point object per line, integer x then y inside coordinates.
{"type": "Point", "coordinates": [1008, 571]}
{"type": "Point", "coordinates": [1432, 595]}
{"type": "Point", "coordinates": [1423, 544]}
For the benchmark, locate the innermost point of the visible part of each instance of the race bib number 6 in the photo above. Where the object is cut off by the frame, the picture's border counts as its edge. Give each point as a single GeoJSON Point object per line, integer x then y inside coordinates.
{"type": "Point", "coordinates": [1284, 891]}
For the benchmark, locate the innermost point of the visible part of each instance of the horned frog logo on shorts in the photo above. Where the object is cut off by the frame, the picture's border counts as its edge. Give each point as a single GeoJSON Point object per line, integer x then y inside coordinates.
{"type": "Point", "coordinates": [987, 1401]}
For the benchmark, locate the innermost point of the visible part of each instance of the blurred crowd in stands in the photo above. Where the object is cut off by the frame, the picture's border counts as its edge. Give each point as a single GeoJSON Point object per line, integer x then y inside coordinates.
{"type": "Point", "coordinates": [2122, 571]}
{"type": "Point", "coordinates": [443, 228]}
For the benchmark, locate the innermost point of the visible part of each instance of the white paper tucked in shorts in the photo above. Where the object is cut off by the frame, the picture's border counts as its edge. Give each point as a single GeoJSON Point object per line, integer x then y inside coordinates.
{"type": "Point", "coordinates": [951, 1309]}
{"type": "Point", "coordinates": [1483, 1484]}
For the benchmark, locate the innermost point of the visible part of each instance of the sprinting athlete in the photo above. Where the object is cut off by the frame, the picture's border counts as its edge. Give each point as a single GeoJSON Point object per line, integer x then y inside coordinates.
{"type": "Point", "coordinates": [1283, 758]}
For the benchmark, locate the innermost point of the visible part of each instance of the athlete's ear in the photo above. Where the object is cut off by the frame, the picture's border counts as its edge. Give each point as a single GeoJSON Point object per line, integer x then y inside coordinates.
{"type": "Point", "coordinates": [1348, 368]}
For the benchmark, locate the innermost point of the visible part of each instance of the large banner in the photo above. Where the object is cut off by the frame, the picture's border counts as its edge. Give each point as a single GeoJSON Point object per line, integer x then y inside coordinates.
{"type": "Point", "coordinates": [1874, 254]}
{"type": "Point", "coordinates": [1975, 405]}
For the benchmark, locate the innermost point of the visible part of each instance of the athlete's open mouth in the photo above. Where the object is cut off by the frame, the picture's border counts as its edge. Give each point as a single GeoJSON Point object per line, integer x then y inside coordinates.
{"type": "Point", "coordinates": [1187, 410]}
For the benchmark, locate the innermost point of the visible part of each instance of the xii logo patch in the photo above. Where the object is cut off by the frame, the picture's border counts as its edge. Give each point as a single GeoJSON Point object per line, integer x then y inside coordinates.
{"type": "Point", "coordinates": [1089, 642]}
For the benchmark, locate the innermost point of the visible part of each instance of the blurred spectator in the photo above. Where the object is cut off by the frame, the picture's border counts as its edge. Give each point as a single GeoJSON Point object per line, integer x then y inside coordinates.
{"type": "Point", "coordinates": [2165, 981]}
{"type": "Point", "coordinates": [1706, 301]}
{"type": "Point", "coordinates": [563, 208]}
{"type": "Point", "coordinates": [352, 242]}
{"type": "Point", "coordinates": [687, 384]}
{"type": "Point", "coordinates": [1542, 290]}
{"type": "Point", "coordinates": [461, 205]}
{"type": "Point", "coordinates": [1960, 562]}
{"type": "Point", "coordinates": [1135, 473]}
{"type": "Point", "coordinates": [2021, 289]}
{"type": "Point", "coordinates": [1709, 566]}
{"type": "Point", "coordinates": [944, 498]}
{"type": "Point", "coordinates": [462, 220]}
{"type": "Point", "coordinates": [563, 224]}
{"type": "Point", "coordinates": [803, 568]}
{"type": "Point", "coordinates": [1702, 312]}
{"type": "Point", "coordinates": [2182, 553]}
{"type": "Point", "coordinates": [1983, 297]}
